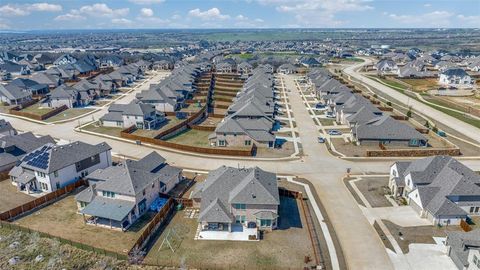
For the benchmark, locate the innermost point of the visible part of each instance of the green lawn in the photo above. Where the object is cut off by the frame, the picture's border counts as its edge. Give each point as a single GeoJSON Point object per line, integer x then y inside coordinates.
{"type": "Point", "coordinates": [69, 114]}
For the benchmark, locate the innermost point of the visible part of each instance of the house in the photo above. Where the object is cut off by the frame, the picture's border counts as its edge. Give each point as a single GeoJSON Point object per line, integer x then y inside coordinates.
{"type": "Point", "coordinates": [438, 188]}
{"type": "Point", "coordinates": [310, 62]}
{"type": "Point", "coordinates": [6, 128]}
{"type": "Point", "coordinates": [136, 113]}
{"type": "Point", "coordinates": [48, 79]}
{"type": "Point", "coordinates": [51, 167]}
{"type": "Point", "coordinates": [162, 65]}
{"type": "Point", "coordinates": [65, 59]}
{"type": "Point", "coordinates": [31, 86]}
{"type": "Point", "coordinates": [464, 249]}
{"type": "Point", "coordinates": [237, 200]}
{"type": "Point", "coordinates": [456, 77]}
{"type": "Point", "coordinates": [14, 69]}
{"type": "Point", "coordinates": [474, 65]}
{"type": "Point", "coordinates": [119, 195]}
{"type": "Point", "coordinates": [286, 69]}
{"type": "Point", "coordinates": [386, 66]}
{"type": "Point", "coordinates": [110, 61]}
{"type": "Point", "coordinates": [243, 132]}
{"type": "Point", "coordinates": [68, 96]}
{"type": "Point", "coordinates": [14, 95]}
{"type": "Point", "coordinates": [386, 130]}
{"type": "Point", "coordinates": [244, 68]}
{"type": "Point", "coordinates": [162, 97]}
{"type": "Point", "coordinates": [224, 67]}
{"type": "Point", "coordinates": [14, 146]}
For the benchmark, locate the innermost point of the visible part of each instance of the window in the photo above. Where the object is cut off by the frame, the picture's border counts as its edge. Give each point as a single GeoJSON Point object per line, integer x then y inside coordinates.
{"type": "Point", "coordinates": [221, 143]}
{"type": "Point", "coordinates": [57, 185]}
{"type": "Point", "coordinates": [55, 173]}
{"type": "Point", "coordinates": [248, 142]}
{"type": "Point", "coordinates": [83, 204]}
{"type": "Point", "coordinates": [472, 209]}
{"type": "Point", "coordinates": [43, 186]}
{"type": "Point", "coordinates": [41, 174]}
{"type": "Point", "coordinates": [265, 223]}
{"type": "Point", "coordinates": [240, 219]}
{"type": "Point", "coordinates": [108, 194]}
{"type": "Point", "coordinates": [144, 192]}
{"type": "Point", "coordinates": [239, 206]}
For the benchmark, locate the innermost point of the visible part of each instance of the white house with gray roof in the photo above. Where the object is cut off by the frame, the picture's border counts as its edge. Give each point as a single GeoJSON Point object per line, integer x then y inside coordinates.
{"type": "Point", "coordinates": [135, 113]}
{"type": "Point", "coordinates": [439, 188]}
{"type": "Point", "coordinates": [51, 167]}
{"type": "Point", "coordinates": [464, 249]}
{"type": "Point", "coordinates": [237, 199]}
{"type": "Point", "coordinates": [119, 195]}
{"type": "Point", "coordinates": [456, 77]}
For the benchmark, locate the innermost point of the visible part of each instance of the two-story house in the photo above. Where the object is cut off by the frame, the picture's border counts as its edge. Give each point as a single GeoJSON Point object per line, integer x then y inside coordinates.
{"type": "Point", "coordinates": [119, 195]}
{"type": "Point", "coordinates": [138, 114]}
{"type": "Point", "coordinates": [237, 200]}
{"type": "Point", "coordinates": [51, 167]}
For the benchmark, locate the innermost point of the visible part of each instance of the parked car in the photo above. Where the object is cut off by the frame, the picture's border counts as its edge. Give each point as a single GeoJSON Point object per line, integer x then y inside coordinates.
{"type": "Point", "coordinates": [320, 106]}
{"type": "Point", "coordinates": [328, 115]}
{"type": "Point", "coordinates": [441, 133]}
{"type": "Point", "coordinates": [321, 140]}
{"type": "Point", "coordinates": [334, 132]}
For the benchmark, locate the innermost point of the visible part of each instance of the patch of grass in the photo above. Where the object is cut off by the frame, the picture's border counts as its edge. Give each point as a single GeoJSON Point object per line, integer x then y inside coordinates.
{"type": "Point", "coordinates": [68, 114]}
{"type": "Point", "coordinates": [36, 109]}
{"type": "Point", "coordinates": [192, 137]}
{"type": "Point", "coordinates": [421, 85]}
{"type": "Point", "coordinates": [96, 127]}
{"type": "Point", "coordinates": [10, 197]}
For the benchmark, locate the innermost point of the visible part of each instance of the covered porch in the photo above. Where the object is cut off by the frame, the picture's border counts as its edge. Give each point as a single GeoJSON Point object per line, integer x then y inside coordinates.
{"type": "Point", "coordinates": [109, 213]}
{"type": "Point", "coordinates": [236, 232]}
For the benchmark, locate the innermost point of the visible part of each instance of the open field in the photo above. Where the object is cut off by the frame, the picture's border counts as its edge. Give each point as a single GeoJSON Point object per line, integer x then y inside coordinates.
{"type": "Point", "coordinates": [10, 197]}
{"type": "Point", "coordinates": [68, 114]}
{"type": "Point", "coordinates": [61, 219]}
{"type": "Point", "coordinates": [421, 85]}
{"type": "Point", "coordinates": [52, 254]}
{"type": "Point", "coordinates": [281, 249]}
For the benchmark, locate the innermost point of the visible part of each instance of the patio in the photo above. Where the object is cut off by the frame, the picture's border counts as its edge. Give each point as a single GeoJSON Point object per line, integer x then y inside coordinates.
{"type": "Point", "coordinates": [238, 233]}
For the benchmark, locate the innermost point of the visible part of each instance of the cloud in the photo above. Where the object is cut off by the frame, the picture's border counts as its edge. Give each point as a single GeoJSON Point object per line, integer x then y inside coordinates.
{"type": "Point", "coordinates": [4, 26]}
{"type": "Point", "coordinates": [122, 21]}
{"type": "Point", "coordinates": [69, 17]}
{"type": "Point", "coordinates": [244, 21]}
{"type": "Point", "coordinates": [147, 12]}
{"type": "Point", "coordinates": [24, 10]}
{"type": "Point", "coordinates": [469, 21]}
{"type": "Point", "coordinates": [318, 13]}
{"type": "Point", "coordinates": [100, 9]}
{"type": "Point", "coordinates": [45, 7]}
{"type": "Point", "coordinates": [146, 2]}
{"type": "Point", "coordinates": [427, 5]}
{"type": "Point", "coordinates": [430, 19]}
{"type": "Point", "coordinates": [208, 15]}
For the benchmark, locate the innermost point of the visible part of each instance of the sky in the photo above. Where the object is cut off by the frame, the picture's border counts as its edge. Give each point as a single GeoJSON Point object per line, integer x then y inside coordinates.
{"type": "Point", "coordinates": [168, 14]}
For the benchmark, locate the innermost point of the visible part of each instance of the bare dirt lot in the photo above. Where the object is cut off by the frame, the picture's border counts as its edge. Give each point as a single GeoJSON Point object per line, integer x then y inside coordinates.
{"type": "Point", "coordinates": [284, 248]}
{"type": "Point", "coordinates": [374, 190]}
{"type": "Point", "coordinates": [10, 197]}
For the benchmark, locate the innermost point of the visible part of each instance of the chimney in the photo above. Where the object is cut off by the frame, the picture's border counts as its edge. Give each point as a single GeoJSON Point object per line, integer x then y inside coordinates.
{"type": "Point", "coordinates": [94, 189]}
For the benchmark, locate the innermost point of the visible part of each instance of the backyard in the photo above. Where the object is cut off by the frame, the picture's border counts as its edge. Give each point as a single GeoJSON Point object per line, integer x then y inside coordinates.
{"type": "Point", "coordinates": [374, 189]}
{"type": "Point", "coordinates": [10, 197]}
{"type": "Point", "coordinates": [284, 248]}
{"type": "Point", "coordinates": [68, 224]}
{"type": "Point", "coordinates": [192, 137]}
{"type": "Point", "coordinates": [37, 109]}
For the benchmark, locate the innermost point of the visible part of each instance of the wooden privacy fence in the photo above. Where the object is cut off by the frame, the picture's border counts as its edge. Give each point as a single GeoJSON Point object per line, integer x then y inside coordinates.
{"type": "Point", "coordinates": [414, 152]}
{"type": "Point", "coordinates": [16, 111]}
{"type": "Point", "coordinates": [41, 201]}
{"type": "Point", "coordinates": [465, 226]}
{"type": "Point", "coordinates": [158, 220]}
{"type": "Point", "coordinates": [185, 202]}
{"type": "Point", "coordinates": [101, 251]}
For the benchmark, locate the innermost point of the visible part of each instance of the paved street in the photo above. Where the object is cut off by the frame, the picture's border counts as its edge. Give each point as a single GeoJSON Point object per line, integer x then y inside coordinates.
{"type": "Point", "coordinates": [462, 127]}
{"type": "Point", "coordinates": [325, 171]}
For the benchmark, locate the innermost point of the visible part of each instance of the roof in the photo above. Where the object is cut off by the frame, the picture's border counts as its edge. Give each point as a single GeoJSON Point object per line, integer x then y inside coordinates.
{"type": "Point", "coordinates": [460, 245]}
{"type": "Point", "coordinates": [50, 157]}
{"type": "Point", "coordinates": [113, 209]}
{"type": "Point", "coordinates": [455, 72]}
{"type": "Point", "coordinates": [227, 185]}
{"type": "Point", "coordinates": [386, 128]}
{"type": "Point", "coordinates": [131, 177]}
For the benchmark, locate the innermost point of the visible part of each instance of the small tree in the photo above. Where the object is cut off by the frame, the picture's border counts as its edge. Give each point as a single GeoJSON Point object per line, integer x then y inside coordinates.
{"type": "Point", "coordinates": [389, 103]}
{"type": "Point", "coordinates": [435, 129]}
{"type": "Point", "coordinates": [409, 113]}
{"type": "Point", "coordinates": [427, 124]}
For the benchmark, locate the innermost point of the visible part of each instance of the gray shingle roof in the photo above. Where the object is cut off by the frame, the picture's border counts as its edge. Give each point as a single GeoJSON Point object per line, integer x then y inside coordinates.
{"type": "Point", "coordinates": [108, 208]}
